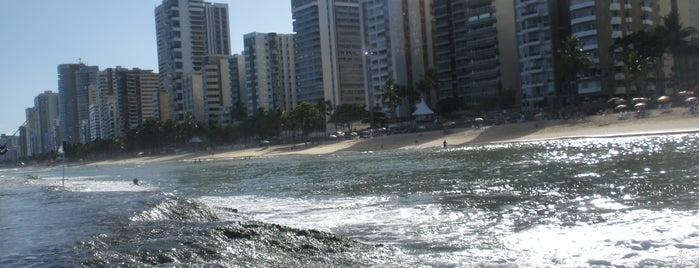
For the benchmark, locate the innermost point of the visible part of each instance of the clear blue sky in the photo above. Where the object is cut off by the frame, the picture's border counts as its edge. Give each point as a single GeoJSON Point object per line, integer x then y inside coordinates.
{"type": "Point", "coordinates": [38, 35]}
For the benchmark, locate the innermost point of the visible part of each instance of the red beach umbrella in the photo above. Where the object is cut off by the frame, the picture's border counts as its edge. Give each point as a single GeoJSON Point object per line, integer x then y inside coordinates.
{"type": "Point", "coordinates": [621, 107]}
{"type": "Point", "coordinates": [639, 99]}
{"type": "Point", "coordinates": [691, 99]}
{"type": "Point", "coordinates": [685, 93]}
{"type": "Point", "coordinates": [640, 105]}
{"type": "Point", "coordinates": [664, 99]}
{"type": "Point", "coordinates": [478, 119]}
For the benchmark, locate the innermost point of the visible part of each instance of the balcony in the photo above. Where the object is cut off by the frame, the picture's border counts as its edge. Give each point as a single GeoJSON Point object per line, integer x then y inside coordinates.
{"type": "Point", "coordinates": [614, 6]}
{"type": "Point", "coordinates": [583, 19]}
{"type": "Point", "coordinates": [582, 5]}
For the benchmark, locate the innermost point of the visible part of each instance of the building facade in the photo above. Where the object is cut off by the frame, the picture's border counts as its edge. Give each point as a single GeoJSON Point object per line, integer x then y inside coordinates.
{"type": "Point", "coordinates": [596, 24]}
{"type": "Point", "coordinates": [45, 123]}
{"type": "Point", "coordinates": [397, 44]}
{"type": "Point", "coordinates": [68, 102]}
{"type": "Point", "coordinates": [187, 31]}
{"type": "Point", "coordinates": [269, 72]}
{"type": "Point", "coordinates": [328, 51]}
{"type": "Point", "coordinates": [476, 49]}
{"type": "Point", "coordinates": [541, 25]}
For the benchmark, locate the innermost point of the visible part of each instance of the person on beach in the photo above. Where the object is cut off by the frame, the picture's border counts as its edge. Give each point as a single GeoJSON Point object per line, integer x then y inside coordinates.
{"type": "Point", "coordinates": [445, 143]}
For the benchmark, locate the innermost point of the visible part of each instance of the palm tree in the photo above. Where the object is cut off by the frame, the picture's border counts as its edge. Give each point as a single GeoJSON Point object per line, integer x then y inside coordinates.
{"type": "Point", "coordinates": [429, 87]}
{"type": "Point", "coordinates": [393, 94]}
{"type": "Point", "coordinates": [571, 62]}
{"type": "Point", "coordinates": [673, 34]}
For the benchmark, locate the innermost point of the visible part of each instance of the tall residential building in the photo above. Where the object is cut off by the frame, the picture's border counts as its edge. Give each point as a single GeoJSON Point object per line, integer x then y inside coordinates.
{"type": "Point", "coordinates": [596, 23]}
{"type": "Point", "coordinates": [187, 31]}
{"type": "Point", "coordinates": [129, 97]}
{"type": "Point", "coordinates": [87, 103]}
{"type": "Point", "coordinates": [397, 44]}
{"type": "Point", "coordinates": [46, 117]}
{"type": "Point", "coordinates": [541, 25]}
{"type": "Point", "coordinates": [269, 69]}
{"type": "Point", "coordinates": [216, 90]}
{"type": "Point", "coordinates": [68, 102]}
{"type": "Point", "coordinates": [476, 49]}
{"type": "Point", "coordinates": [328, 51]}
{"type": "Point", "coordinates": [236, 69]}
{"type": "Point", "coordinates": [30, 136]}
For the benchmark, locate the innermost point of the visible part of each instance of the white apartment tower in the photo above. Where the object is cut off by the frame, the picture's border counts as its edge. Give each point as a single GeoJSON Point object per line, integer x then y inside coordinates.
{"type": "Point", "coordinates": [397, 44]}
{"type": "Point", "coordinates": [541, 25]}
{"type": "Point", "coordinates": [596, 23]}
{"type": "Point", "coordinates": [270, 72]}
{"type": "Point", "coordinates": [328, 51]}
{"type": "Point", "coordinates": [187, 31]}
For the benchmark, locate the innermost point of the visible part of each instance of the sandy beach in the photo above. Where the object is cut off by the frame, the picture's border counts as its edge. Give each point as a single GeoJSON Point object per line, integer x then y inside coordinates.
{"type": "Point", "coordinates": [675, 120]}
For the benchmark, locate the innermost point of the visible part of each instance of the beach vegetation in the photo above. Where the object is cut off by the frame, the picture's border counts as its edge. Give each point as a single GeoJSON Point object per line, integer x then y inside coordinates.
{"type": "Point", "coordinates": [448, 106]}
{"type": "Point", "coordinates": [346, 114]}
{"type": "Point", "coordinates": [429, 87]}
{"type": "Point", "coordinates": [392, 95]}
{"type": "Point", "coordinates": [571, 62]}
{"type": "Point", "coordinates": [303, 117]}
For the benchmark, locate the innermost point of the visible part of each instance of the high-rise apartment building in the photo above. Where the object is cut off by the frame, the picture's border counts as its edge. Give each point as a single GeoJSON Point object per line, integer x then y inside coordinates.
{"type": "Point", "coordinates": [30, 135]}
{"type": "Point", "coordinates": [476, 49]}
{"type": "Point", "coordinates": [596, 23]}
{"type": "Point", "coordinates": [270, 71]}
{"type": "Point", "coordinates": [87, 103]}
{"type": "Point", "coordinates": [128, 97]}
{"type": "Point", "coordinates": [541, 26]}
{"type": "Point", "coordinates": [397, 44]}
{"type": "Point", "coordinates": [46, 117]}
{"type": "Point", "coordinates": [328, 51]}
{"type": "Point", "coordinates": [68, 102]}
{"type": "Point", "coordinates": [236, 69]}
{"type": "Point", "coordinates": [217, 89]}
{"type": "Point", "coordinates": [187, 31]}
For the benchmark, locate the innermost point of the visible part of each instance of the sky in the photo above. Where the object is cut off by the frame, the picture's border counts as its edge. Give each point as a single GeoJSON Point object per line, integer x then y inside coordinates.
{"type": "Point", "coordinates": [38, 35]}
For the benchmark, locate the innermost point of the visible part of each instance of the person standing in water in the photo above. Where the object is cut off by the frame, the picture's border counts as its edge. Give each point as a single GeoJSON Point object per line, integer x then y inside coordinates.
{"type": "Point", "coordinates": [445, 143]}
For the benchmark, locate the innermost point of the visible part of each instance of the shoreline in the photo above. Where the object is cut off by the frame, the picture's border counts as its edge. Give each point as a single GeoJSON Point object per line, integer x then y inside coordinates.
{"type": "Point", "coordinates": [668, 121]}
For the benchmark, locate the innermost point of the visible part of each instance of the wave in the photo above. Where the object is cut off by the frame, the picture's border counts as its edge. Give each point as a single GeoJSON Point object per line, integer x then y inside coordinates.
{"type": "Point", "coordinates": [178, 209]}
{"type": "Point", "coordinates": [184, 232]}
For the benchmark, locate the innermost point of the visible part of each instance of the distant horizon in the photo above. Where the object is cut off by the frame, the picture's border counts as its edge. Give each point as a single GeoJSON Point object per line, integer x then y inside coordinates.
{"type": "Point", "coordinates": [45, 34]}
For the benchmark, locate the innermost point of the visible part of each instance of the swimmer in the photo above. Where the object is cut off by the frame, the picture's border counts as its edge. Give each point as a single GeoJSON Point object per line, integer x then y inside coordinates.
{"type": "Point", "coordinates": [136, 182]}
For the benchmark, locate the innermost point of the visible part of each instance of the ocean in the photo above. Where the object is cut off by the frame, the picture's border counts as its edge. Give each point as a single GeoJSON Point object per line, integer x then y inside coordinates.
{"type": "Point", "coordinates": [623, 201]}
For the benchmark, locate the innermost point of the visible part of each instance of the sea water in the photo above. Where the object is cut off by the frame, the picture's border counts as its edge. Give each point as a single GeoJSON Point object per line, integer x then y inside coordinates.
{"type": "Point", "coordinates": [623, 201]}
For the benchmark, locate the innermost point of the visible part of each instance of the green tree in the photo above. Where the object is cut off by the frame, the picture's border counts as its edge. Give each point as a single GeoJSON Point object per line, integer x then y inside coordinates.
{"type": "Point", "coordinates": [571, 61]}
{"type": "Point", "coordinates": [392, 94]}
{"type": "Point", "coordinates": [447, 106]}
{"type": "Point", "coordinates": [348, 113]}
{"type": "Point", "coordinates": [238, 112]}
{"type": "Point", "coordinates": [429, 87]}
{"type": "Point", "coordinates": [303, 116]}
{"type": "Point", "coordinates": [640, 52]}
{"type": "Point", "coordinates": [673, 34]}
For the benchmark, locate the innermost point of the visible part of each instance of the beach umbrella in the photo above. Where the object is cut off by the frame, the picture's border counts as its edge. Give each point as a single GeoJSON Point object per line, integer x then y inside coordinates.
{"type": "Point", "coordinates": [685, 93]}
{"type": "Point", "coordinates": [664, 99]}
{"type": "Point", "coordinates": [640, 105]}
{"type": "Point", "coordinates": [691, 99]}
{"type": "Point", "coordinates": [621, 107]}
{"type": "Point", "coordinates": [613, 100]}
{"type": "Point", "coordinates": [538, 116]}
{"type": "Point", "coordinates": [478, 119]}
{"type": "Point", "coordinates": [639, 99]}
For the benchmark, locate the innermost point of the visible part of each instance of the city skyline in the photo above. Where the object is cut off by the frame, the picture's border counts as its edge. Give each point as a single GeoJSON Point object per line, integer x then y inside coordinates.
{"type": "Point", "coordinates": [45, 34]}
